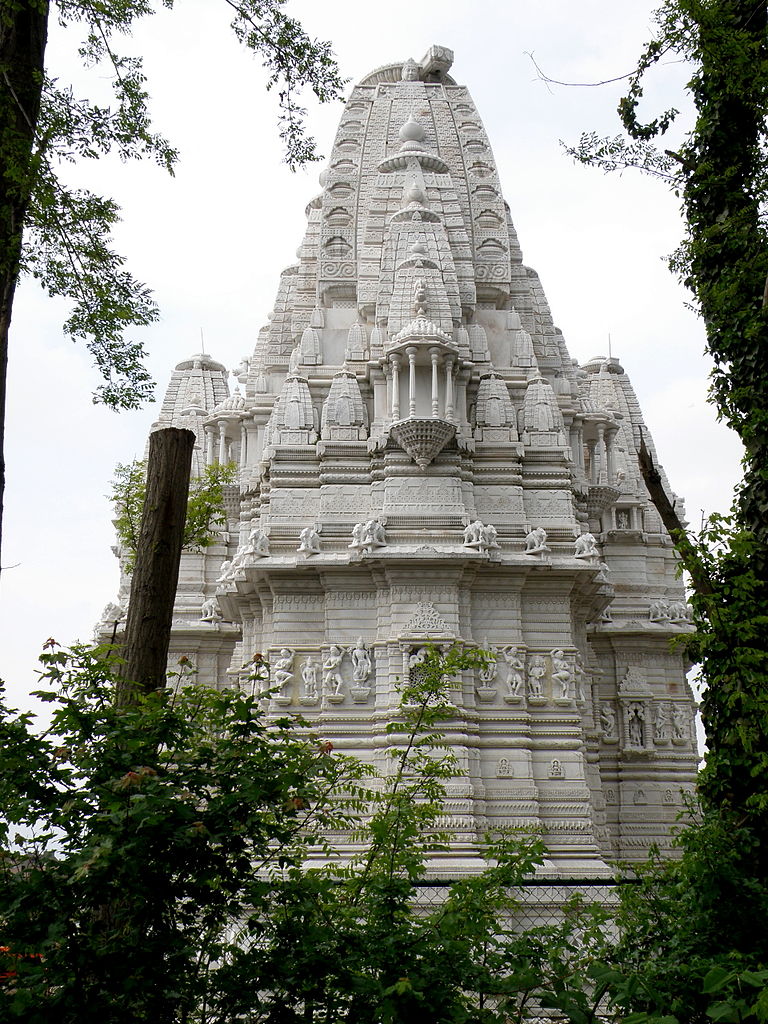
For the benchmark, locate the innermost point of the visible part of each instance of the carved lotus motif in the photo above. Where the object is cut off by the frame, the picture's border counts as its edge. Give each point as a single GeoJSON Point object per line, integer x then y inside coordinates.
{"type": "Point", "coordinates": [422, 438]}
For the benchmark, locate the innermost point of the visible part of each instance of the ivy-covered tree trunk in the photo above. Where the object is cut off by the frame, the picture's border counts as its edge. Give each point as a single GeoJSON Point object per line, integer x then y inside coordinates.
{"type": "Point", "coordinates": [724, 188]}
{"type": "Point", "coordinates": [23, 36]}
{"type": "Point", "coordinates": [156, 573]}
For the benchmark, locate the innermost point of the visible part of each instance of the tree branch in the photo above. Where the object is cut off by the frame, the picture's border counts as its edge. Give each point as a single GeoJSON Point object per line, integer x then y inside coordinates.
{"type": "Point", "coordinates": [674, 526]}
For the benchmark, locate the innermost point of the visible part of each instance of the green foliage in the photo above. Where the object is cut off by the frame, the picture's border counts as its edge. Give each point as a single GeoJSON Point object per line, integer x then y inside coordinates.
{"type": "Point", "coordinates": [67, 231]}
{"type": "Point", "coordinates": [131, 839]}
{"type": "Point", "coordinates": [174, 862]}
{"type": "Point", "coordinates": [690, 921]}
{"type": "Point", "coordinates": [694, 940]}
{"type": "Point", "coordinates": [721, 175]}
{"type": "Point", "coordinates": [205, 506]}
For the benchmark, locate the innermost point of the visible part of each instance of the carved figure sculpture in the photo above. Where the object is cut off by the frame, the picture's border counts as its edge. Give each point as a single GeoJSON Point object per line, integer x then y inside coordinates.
{"type": "Point", "coordinates": [581, 678]}
{"type": "Point", "coordinates": [226, 568]}
{"type": "Point", "coordinates": [309, 678]}
{"type": "Point", "coordinates": [361, 662]}
{"type": "Point", "coordinates": [282, 672]}
{"type": "Point", "coordinates": [309, 541]}
{"type": "Point", "coordinates": [488, 671]}
{"type": "Point", "coordinates": [561, 673]}
{"type": "Point", "coordinates": [476, 535]}
{"type": "Point", "coordinates": [358, 533]}
{"type": "Point", "coordinates": [678, 611]}
{"type": "Point", "coordinates": [515, 670]}
{"type": "Point", "coordinates": [585, 546]}
{"type": "Point", "coordinates": [258, 543]}
{"type": "Point", "coordinates": [488, 537]}
{"type": "Point", "coordinates": [211, 611]}
{"type": "Point", "coordinates": [114, 613]}
{"type": "Point", "coordinates": [370, 535]}
{"type": "Point", "coordinates": [659, 611]}
{"type": "Point", "coordinates": [636, 725]}
{"type": "Point", "coordinates": [472, 534]}
{"type": "Point", "coordinates": [537, 669]}
{"type": "Point", "coordinates": [536, 541]}
{"type": "Point", "coordinates": [661, 723]}
{"type": "Point", "coordinates": [608, 720]}
{"type": "Point", "coordinates": [375, 535]}
{"type": "Point", "coordinates": [332, 681]}
{"type": "Point", "coordinates": [680, 723]}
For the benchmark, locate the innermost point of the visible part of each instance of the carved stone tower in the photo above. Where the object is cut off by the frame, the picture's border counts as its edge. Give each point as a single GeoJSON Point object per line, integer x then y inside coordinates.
{"type": "Point", "coordinates": [420, 459]}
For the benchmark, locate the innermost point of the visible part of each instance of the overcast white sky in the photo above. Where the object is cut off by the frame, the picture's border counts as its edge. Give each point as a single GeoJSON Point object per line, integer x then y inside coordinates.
{"type": "Point", "coordinates": [212, 242]}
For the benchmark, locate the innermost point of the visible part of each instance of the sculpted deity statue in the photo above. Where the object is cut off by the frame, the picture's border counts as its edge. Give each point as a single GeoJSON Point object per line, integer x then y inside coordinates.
{"type": "Point", "coordinates": [661, 723]}
{"type": "Point", "coordinates": [332, 681]}
{"type": "Point", "coordinates": [282, 671]}
{"type": "Point", "coordinates": [515, 671]}
{"type": "Point", "coordinates": [636, 725]}
{"type": "Point", "coordinates": [410, 72]}
{"type": "Point", "coordinates": [680, 728]}
{"type": "Point", "coordinates": [581, 678]}
{"type": "Point", "coordinates": [361, 662]}
{"type": "Point", "coordinates": [489, 671]}
{"type": "Point", "coordinates": [537, 669]}
{"type": "Point", "coordinates": [561, 673]}
{"type": "Point", "coordinates": [309, 678]}
{"type": "Point", "coordinates": [608, 720]}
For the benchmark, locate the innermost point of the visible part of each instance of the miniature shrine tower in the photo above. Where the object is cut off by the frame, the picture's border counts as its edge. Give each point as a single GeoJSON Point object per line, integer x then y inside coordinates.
{"type": "Point", "coordinates": [420, 460]}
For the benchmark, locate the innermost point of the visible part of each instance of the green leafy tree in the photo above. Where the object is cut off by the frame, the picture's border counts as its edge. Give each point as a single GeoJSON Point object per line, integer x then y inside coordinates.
{"type": "Point", "coordinates": [62, 235]}
{"type": "Point", "coordinates": [133, 838]}
{"type": "Point", "coordinates": [353, 941]}
{"type": "Point", "coordinates": [206, 514]}
{"type": "Point", "coordinates": [190, 859]}
{"type": "Point", "coordinates": [720, 172]}
{"type": "Point", "coordinates": [695, 943]}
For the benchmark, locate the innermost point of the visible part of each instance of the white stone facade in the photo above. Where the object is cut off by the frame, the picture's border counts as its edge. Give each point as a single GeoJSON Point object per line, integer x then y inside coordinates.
{"type": "Point", "coordinates": [420, 459]}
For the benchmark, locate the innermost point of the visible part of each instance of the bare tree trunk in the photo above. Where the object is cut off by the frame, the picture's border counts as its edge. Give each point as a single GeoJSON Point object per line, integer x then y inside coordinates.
{"type": "Point", "coordinates": [23, 35]}
{"type": "Point", "coordinates": [156, 573]}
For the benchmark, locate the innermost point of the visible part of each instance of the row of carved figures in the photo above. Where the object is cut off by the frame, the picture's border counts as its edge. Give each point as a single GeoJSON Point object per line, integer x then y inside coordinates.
{"type": "Point", "coordinates": [368, 536]}
{"type": "Point", "coordinates": [646, 721]}
{"type": "Point", "coordinates": [325, 672]}
{"type": "Point", "coordinates": [568, 675]}
{"type": "Point", "coordinates": [669, 611]}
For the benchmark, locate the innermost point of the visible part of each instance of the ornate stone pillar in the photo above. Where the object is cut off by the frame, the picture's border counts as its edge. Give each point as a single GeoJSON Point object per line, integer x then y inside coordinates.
{"type": "Point", "coordinates": [411, 381]}
{"type": "Point", "coordinates": [395, 361]}
{"type": "Point", "coordinates": [449, 389]}
{"type": "Point", "coordinates": [222, 441]}
{"type": "Point", "coordinates": [434, 354]}
{"type": "Point", "coordinates": [609, 457]}
{"type": "Point", "coordinates": [592, 462]}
